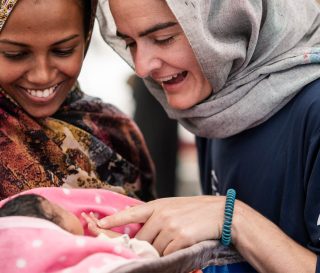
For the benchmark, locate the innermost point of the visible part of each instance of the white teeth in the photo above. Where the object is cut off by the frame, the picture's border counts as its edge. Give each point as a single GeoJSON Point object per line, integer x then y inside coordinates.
{"type": "Point", "coordinates": [42, 93]}
{"type": "Point", "coordinates": [165, 79]}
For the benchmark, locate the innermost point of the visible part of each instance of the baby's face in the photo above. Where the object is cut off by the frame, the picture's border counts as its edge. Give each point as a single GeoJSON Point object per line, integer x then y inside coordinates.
{"type": "Point", "coordinates": [67, 220]}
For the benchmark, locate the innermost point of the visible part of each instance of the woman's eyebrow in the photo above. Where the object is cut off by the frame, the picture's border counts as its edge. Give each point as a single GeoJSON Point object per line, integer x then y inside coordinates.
{"type": "Point", "coordinates": [66, 39]}
{"type": "Point", "coordinates": [7, 41]}
{"type": "Point", "coordinates": [149, 30]}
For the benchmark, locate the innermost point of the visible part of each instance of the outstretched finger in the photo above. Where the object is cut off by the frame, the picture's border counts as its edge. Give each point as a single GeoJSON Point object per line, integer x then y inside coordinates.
{"type": "Point", "coordinates": [136, 214]}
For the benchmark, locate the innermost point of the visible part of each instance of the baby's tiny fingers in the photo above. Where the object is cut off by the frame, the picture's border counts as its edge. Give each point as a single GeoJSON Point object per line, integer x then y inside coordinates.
{"type": "Point", "coordinates": [94, 217]}
{"type": "Point", "coordinates": [94, 229]}
{"type": "Point", "coordinates": [86, 217]}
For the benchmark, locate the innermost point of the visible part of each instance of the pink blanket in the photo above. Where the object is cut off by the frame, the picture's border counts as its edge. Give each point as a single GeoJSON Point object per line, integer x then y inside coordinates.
{"type": "Point", "coordinates": [36, 245]}
{"type": "Point", "coordinates": [31, 245]}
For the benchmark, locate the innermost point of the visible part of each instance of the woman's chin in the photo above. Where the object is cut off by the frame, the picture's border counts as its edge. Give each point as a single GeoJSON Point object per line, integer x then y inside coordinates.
{"type": "Point", "coordinates": [40, 113]}
{"type": "Point", "coordinates": [179, 104]}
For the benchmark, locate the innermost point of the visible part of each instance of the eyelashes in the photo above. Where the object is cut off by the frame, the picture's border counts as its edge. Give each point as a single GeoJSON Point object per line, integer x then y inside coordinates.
{"type": "Point", "coordinates": [63, 52]}
{"type": "Point", "coordinates": [166, 41]}
{"type": "Point", "coordinates": [21, 55]}
{"type": "Point", "coordinates": [161, 42]}
{"type": "Point", "coordinates": [15, 55]}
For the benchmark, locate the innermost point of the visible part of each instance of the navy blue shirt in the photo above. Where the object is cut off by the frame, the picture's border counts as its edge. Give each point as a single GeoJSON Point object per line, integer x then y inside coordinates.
{"type": "Point", "coordinates": [274, 167]}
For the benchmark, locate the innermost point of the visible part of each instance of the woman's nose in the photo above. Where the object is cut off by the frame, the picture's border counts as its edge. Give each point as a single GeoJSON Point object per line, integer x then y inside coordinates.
{"type": "Point", "coordinates": [146, 61]}
{"type": "Point", "coordinates": [42, 72]}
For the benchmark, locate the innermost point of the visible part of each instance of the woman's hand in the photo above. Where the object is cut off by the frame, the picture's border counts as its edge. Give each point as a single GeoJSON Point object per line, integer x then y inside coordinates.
{"type": "Point", "coordinates": [171, 224]}
{"type": "Point", "coordinates": [93, 227]}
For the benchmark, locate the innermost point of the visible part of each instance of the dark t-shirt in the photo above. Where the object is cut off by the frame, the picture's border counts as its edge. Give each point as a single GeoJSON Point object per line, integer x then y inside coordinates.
{"type": "Point", "coordinates": [274, 167]}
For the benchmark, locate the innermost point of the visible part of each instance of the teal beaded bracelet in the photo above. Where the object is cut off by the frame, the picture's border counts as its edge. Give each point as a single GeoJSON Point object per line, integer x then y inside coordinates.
{"type": "Point", "coordinates": [228, 213]}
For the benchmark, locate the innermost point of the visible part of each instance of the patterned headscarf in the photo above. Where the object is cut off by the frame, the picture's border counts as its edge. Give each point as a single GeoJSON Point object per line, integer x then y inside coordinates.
{"type": "Point", "coordinates": [6, 7]}
{"type": "Point", "coordinates": [85, 144]}
{"type": "Point", "coordinates": [257, 54]}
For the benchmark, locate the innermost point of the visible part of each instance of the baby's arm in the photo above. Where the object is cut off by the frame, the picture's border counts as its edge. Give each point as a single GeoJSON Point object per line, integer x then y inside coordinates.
{"type": "Point", "coordinates": [93, 227]}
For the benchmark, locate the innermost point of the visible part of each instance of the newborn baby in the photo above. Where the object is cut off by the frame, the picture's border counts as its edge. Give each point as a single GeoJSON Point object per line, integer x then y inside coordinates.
{"type": "Point", "coordinates": [34, 205]}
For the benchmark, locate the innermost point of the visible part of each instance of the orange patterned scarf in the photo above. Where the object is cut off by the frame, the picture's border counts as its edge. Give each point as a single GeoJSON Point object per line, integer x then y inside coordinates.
{"type": "Point", "coordinates": [86, 144]}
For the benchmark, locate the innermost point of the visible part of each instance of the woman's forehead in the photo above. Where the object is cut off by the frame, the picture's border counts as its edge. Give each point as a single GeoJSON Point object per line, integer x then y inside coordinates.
{"type": "Point", "coordinates": [30, 15]}
{"type": "Point", "coordinates": [141, 8]}
{"type": "Point", "coordinates": [140, 14]}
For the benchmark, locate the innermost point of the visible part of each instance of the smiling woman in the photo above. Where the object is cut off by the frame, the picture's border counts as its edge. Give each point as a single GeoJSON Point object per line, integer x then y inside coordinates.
{"type": "Point", "coordinates": [245, 79]}
{"type": "Point", "coordinates": [51, 133]}
{"type": "Point", "coordinates": [41, 65]}
{"type": "Point", "coordinates": [160, 50]}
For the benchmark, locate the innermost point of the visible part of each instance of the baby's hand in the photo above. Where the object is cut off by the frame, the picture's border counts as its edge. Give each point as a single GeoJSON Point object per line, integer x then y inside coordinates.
{"type": "Point", "coordinates": [93, 227]}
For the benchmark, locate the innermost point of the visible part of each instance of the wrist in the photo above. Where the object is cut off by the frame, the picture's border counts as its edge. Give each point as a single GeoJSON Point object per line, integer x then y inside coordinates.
{"type": "Point", "coordinates": [238, 217]}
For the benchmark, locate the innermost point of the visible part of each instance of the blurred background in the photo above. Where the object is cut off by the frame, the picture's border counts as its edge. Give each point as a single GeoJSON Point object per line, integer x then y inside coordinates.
{"type": "Point", "coordinates": [106, 75]}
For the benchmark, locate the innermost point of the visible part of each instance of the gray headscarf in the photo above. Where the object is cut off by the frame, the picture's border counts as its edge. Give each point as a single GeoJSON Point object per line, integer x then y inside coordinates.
{"type": "Point", "coordinates": [257, 54]}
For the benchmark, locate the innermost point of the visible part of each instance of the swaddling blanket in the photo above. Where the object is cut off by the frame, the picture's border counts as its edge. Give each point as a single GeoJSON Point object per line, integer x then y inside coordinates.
{"type": "Point", "coordinates": [34, 245]}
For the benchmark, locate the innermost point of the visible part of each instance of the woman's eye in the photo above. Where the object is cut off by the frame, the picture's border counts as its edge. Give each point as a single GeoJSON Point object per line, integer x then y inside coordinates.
{"type": "Point", "coordinates": [14, 55]}
{"type": "Point", "coordinates": [130, 44]}
{"type": "Point", "coordinates": [166, 41]}
{"type": "Point", "coordinates": [63, 52]}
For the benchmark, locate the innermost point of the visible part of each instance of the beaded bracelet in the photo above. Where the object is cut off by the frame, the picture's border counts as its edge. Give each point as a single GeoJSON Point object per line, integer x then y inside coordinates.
{"type": "Point", "coordinates": [228, 213]}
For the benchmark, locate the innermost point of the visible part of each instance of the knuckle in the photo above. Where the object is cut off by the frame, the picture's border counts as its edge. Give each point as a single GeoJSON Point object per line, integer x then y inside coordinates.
{"type": "Point", "coordinates": [165, 216]}
{"type": "Point", "coordinates": [172, 227]}
{"type": "Point", "coordinates": [186, 236]}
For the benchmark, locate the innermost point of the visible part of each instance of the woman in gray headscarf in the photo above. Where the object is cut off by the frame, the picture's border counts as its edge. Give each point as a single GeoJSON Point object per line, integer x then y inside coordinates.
{"type": "Point", "coordinates": [243, 76]}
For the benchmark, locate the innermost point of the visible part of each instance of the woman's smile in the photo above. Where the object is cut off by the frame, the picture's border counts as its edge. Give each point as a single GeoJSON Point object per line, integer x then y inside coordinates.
{"type": "Point", "coordinates": [41, 93]}
{"type": "Point", "coordinates": [173, 79]}
{"type": "Point", "coordinates": [40, 96]}
{"type": "Point", "coordinates": [174, 83]}
{"type": "Point", "coordinates": [41, 65]}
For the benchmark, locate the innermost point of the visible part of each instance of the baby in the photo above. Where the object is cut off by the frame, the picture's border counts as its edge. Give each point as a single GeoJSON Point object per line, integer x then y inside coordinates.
{"type": "Point", "coordinates": [34, 205]}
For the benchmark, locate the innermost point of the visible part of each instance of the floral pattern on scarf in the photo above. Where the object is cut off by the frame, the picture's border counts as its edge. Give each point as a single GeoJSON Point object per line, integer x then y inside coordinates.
{"type": "Point", "coordinates": [86, 144]}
